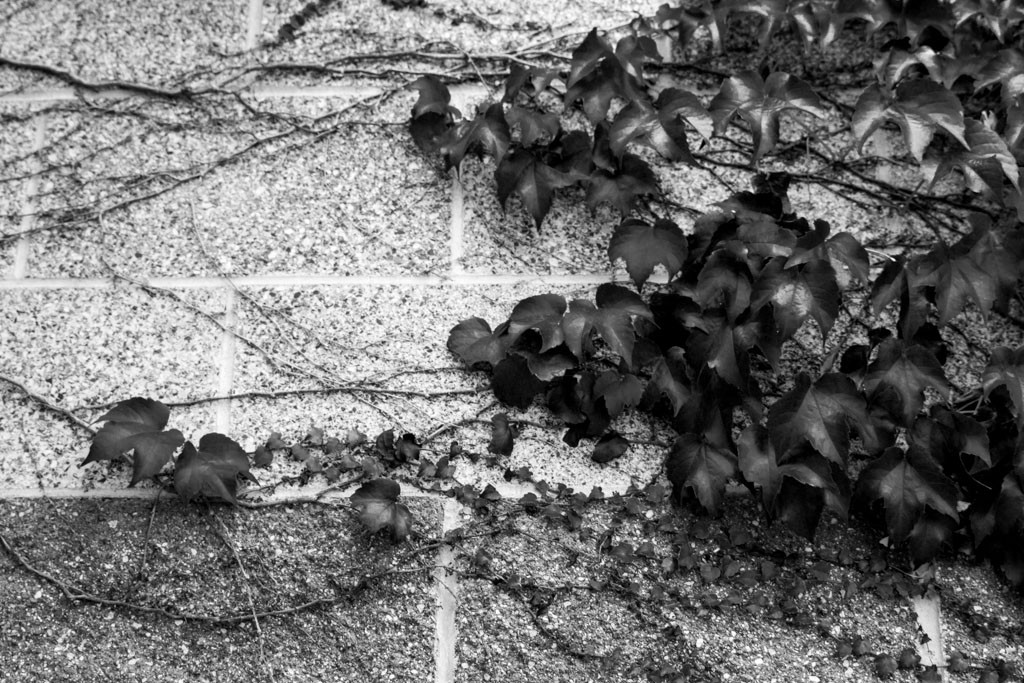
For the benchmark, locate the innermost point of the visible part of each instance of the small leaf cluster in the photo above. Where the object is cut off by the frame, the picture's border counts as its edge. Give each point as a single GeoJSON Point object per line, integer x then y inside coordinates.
{"type": "Point", "coordinates": [134, 432]}
{"type": "Point", "coordinates": [875, 430]}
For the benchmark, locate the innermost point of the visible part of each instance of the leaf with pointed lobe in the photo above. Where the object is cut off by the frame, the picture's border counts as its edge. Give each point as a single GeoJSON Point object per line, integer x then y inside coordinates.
{"type": "Point", "coordinates": [644, 246]}
{"type": "Point", "coordinates": [984, 164]}
{"type": "Point", "coordinates": [717, 347]}
{"type": "Point", "coordinates": [379, 509]}
{"type": "Point", "coordinates": [530, 178]}
{"type": "Point", "coordinates": [900, 374]}
{"type": "Point", "coordinates": [597, 76]}
{"type": "Point", "coordinates": [139, 410]}
{"type": "Point", "coordinates": [975, 269]}
{"type": "Point", "coordinates": [212, 470]}
{"type": "Point", "coordinates": [550, 364]}
{"type": "Point", "coordinates": [488, 132]}
{"type": "Point", "coordinates": [1006, 369]}
{"type": "Point", "coordinates": [724, 282]}
{"type": "Point", "coordinates": [906, 484]}
{"type": "Point", "coordinates": [622, 187]}
{"type": "Point", "coordinates": [619, 391]}
{"type": "Point", "coordinates": [761, 466]}
{"type": "Point", "coordinates": [820, 413]}
{"type": "Point", "coordinates": [664, 382]}
{"type": "Point", "coordinates": [473, 341]}
{"type": "Point", "coordinates": [659, 126]}
{"type": "Point", "coordinates": [617, 298]}
{"type": "Point", "coordinates": [534, 126]}
{"type": "Point", "coordinates": [760, 102]}
{"type": "Point", "coordinates": [136, 424]}
{"type": "Point", "coordinates": [806, 290]}
{"type": "Point", "coordinates": [542, 313]}
{"type": "Point", "coordinates": [919, 107]}
{"type": "Point", "coordinates": [701, 467]}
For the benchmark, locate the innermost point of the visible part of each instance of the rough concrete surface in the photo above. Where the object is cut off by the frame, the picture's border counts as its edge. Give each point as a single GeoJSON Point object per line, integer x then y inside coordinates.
{"type": "Point", "coordinates": [203, 207]}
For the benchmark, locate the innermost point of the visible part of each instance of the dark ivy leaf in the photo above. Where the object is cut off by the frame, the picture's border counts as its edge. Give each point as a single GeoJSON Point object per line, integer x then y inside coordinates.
{"type": "Point", "coordinates": [378, 506]}
{"type": "Point", "coordinates": [542, 313]}
{"type": "Point", "coordinates": [900, 374]}
{"type": "Point", "coordinates": [906, 484]}
{"type": "Point", "coordinates": [211, 470]}
{"type": "Point", "coordinates": [488, 132]}
{"type": "Point", "coordinates": [1006, 368]}
{"type": "Point", "coordinates": [760, 102]}
{"type": "Point", "coordinates": [796, 293]}
{"type": "Point", "coordinates": [532, 179]}
{"type": "Point", "coordinates": [262, 457]}
{"type": "Point", "coordinates": [136, 424]}
{"type": "Point", "coordinates": [514, 384]}
{"type": "Point", "coordinates": [140, 410]}
{"type": "Point", "coordinates": [701, 467]}
{"type": "Point", "coordinates": [502, 436]}
{"type": "Point", "coordinates": [643, 246]}
{"type": "Point", "coordinates": [918, 106]}
{"type": "Point", "coordinates": [632, 178]}
{"type": "Point", "coordinates": [609, 447]}
{"type": "Point", "coordinates": [473, 341]}
{"type": "Point", "coordinates": [619, 391]}
{"type": "Point", "coordinates": [820, 413]}
{"type": "Point", "coordinates": [407, 449]}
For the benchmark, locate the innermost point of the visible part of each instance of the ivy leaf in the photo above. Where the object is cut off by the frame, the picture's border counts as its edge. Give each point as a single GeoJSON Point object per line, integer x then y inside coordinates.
{"type": "Point", "coordinates": [618, 391]}
{"type": "Point", "coordinates": [473, 342]}
{"type": "Point", "coordinates": [659, 126]}
{"type": "Point", "coordinates": [761, 466]}
{"type": "Point", "coordinates": [596, 76]}
{"type": "Point", "coordinates": [534, 126]}
{"type": "Point", "coordinates": [432, 115]}
{"type": "Point", "coordinates": [985, 162]}
{"type": "Point", "coordinates": [643, 246]}
{"type": "Point", "coordinates": [613, 323]}
{"type": "Point", "coordinates": [378, 506]}
{"type": "Point", "coordinates": [760, 102]}
{"type": "Point", "coordinates": [514, 384]}
{"type": "Point", "coordinates": [806, 290]}
{"type": "Point", "coordinates": [701, 467]}
{"type": "Point", "coordinates": [542, 313]}
{"type": "Point", "coordinates": [632, 178]}
{"type": "Point", "coordinates": [609, 447]}
{"type": "Point", "coordinates": [136, 424]}
{"type": "Point", "coordinates": [665, 383]}
{"type": "Point", "coordinates": [906, 484]}
{"type": "Point", "coordinates": [502, 436]}
{"type": "Point", "coordinates": [532, 180]}
{"type": "Point", "coordinates": [975, 268]}
{"type": "Point", "coordinates": [919, 107]}
{"type": "Point", "coordinates": [820, 413]}
{"type": "Point", "coordinates": [900, 374]}
{"type": "Point", "coordinates": [724, 283]}
{"type": "Point", "coordinates": [139, 410]}
{"type": "Point", "coordinates": [212, 470]}
{"type": "Point", "coordinates": [1006, 368]}
{"type": "Point", "coordinates": [487, 131]}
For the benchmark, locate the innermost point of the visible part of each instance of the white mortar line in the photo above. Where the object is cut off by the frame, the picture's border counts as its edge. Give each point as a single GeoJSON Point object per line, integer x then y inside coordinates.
{"type": "Point", "coordinates": [253, 24]}
{"type": "Point", "coordinates": [222, 409]}
{"type": "Point", "coordinates": [456, 244]}
{"type": "Point", "coordinates": [28, 217]}
{"type": "Point", "coordinates": [464, 280]}
{"type": "Point", "coordinates": [446, 585]}
{"type": "Point", "coordinates": [928, 620]}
